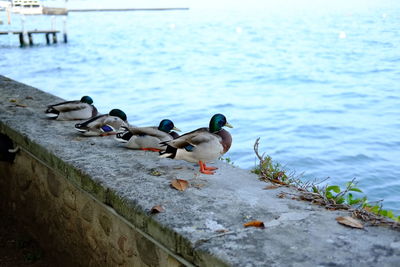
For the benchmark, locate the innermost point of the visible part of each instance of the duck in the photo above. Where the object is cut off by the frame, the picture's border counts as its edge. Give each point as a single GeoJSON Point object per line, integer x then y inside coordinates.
{"type": "Point", "coordinates": [72, 110]}
{"type": "Point", "coordinates": [148, 138]}
{"type": "Point", "coordinates": [202, 145]}
{"type": "Point", "coordinates": [102, 125]}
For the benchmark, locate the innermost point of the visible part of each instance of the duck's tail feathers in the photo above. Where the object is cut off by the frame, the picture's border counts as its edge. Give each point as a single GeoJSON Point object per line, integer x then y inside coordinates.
{"type": "Point", "coordinates": [123, 137]}
{"type": "Point", "coordinates": [170, 152]}
{"type": "Point", "coordinates": [80, 127]}
{"type": "Point", "coordinates": [52, 113]}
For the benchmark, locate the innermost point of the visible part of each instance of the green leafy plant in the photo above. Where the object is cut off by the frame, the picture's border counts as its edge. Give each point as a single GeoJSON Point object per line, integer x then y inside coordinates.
{"type": "Point", "coordinates": [377, 209]}
{"type": "Point", "coordinates": [227, 160]}
{"type": "Point", "coordinates": [269, 170]}
{"type": "Point", "coordinates": [331, 196]}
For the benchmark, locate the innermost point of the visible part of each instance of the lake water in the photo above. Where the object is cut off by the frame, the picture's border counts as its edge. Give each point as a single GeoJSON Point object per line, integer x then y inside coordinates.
{"type": "Point", "coordinates": [320, 86]}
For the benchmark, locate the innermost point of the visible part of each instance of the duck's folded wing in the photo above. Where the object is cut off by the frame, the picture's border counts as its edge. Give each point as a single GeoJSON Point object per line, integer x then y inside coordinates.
{"type": "Point", "coordinates": [193, 138]}
{"type": "Point", "coordinates": [152, 131]}
{"type": "Point", "coordinates": [95, 122]}
{"type": "Point", "coordinates": [63, 103]}
{"type": "Point", "coordinates": [71, 106]}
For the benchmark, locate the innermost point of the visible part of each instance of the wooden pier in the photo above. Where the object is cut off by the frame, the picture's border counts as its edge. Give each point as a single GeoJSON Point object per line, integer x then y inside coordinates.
{"type": "Point", "coordinates": [127, 9]}
{"type": "Point", "coordinates": [29, 34]}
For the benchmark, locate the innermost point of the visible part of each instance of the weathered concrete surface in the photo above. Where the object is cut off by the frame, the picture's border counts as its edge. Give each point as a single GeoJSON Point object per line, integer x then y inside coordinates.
{"type": "Point", "coordinates": [296, 234]}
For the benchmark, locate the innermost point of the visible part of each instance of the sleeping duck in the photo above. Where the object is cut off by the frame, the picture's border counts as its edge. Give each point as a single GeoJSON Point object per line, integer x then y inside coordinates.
{"type": "Point", "coordinates": [201, 145]}
{"type": "Point", "coordinates": [148, 138]}
{"type": "Point", "coordinates": [102, 125]}
{"type": "Point", "coordinates": [72, 110]}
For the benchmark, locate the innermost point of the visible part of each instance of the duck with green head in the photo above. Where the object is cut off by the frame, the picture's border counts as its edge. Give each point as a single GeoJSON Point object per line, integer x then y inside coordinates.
{"type": "Point", "coordinates": [201, 145]}
{"type": "Point", "coordinates": [102, 125]}
{"type": "Point", "coordinates": [72, 110]}
{"type": "Point", "coordinates": [148, 138]}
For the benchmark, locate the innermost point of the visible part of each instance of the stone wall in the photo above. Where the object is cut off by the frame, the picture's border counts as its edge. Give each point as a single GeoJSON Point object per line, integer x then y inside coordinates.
{"type": "Point", "coordinates": [71, 224]}
{"type": "Point", "coordinates": [87, 200]}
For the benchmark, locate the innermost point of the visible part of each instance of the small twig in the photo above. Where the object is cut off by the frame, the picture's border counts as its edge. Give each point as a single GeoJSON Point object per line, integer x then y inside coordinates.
{"type": "Point", "coordinates": [348, 187]}
{"type": "Point", "coordinates": [203, 240]}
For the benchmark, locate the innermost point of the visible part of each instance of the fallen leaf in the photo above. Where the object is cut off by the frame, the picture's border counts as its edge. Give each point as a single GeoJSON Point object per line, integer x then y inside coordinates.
{"type": "Point", "coordinates": [271, 187]}
{"type": "Point", "coordinates": [198, 186]}
{"type": "Point", "coordinates": [369, 209]}
{"type": "Point", "coordinates": [179, 184]}
{"type": "Point", "coordinates": [157, 209]}
{"type": "Point", "coordinates": [177, 168]}
{"type": "Point", "coordinates": [155, 173]}
{"type": "Point", "coordinates": [350, 221]}
{"type": "Point", "coordinates": [281, 195]}
{"type": "Point", "coordinates": [21, 105]}
{"type": "Point", "coordinates": [13, 100]}
{"type": "Point", "coordinates": [259, 224]}
{"type": "Point", "coordinates": [222, 230]}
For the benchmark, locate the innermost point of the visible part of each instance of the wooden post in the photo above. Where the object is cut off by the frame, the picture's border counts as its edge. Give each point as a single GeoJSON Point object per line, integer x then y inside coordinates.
{"type": "Point", "coordinates": [47, 38]}
{"type": "Point", "coordinates": [54, 38]}
{"type": "Point", "coordinates": [65, 29]}
{"type": "Point", "coordinates": [23, 32]}
{"type": "Point", "coordinates": [30, 39]}
{"type": "Point", "coordinates": [21, 39]}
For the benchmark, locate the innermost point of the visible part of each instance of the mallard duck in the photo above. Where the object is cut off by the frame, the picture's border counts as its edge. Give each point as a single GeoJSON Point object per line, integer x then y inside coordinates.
{"type": "Point", "coordinates": [148, 138]}
{"type": "Point", "coordinates": [101, 125]}
{"type": "Point", "coordinates": [201, 145]}
{"type": "Point", "coordinates": [72, 110]}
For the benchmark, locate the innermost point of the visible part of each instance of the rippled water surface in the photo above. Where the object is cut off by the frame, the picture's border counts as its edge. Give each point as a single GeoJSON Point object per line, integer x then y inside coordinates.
{"type": "Point", "coordinates": [321, 89]}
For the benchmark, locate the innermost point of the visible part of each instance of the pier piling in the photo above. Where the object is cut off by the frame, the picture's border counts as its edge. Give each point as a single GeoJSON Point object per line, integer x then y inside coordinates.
{"type": "Point", "coordinates": [23, 41]}
{"type": "Point", "coordinates": [47, 38]}
{"type": "Point", "coordinates": [30, 38]}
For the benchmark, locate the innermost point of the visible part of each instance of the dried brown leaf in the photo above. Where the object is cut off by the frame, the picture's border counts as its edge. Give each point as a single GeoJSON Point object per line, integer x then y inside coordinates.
{"type": "Point", "coordinates": [179, 184]}
{"type": "Point", "coordinates": [278, 182]}
{"type": "Point", "coordinates": [177, 168]}
{"type": "Point", "coordinates": [259, 224]}
{"type": "Point", "coordinates": [198, 186]}
{"type": "Point", "coordinates": [369, 209]}
{"type": "Point", "coordinates": [350, 221]}
{"type": "Point", "coordinates": [157, 209]}
{"type": "Point", "coordinates": [281, 195]}
{"type": "Point", "coordinates": [222, 230]}
{"type": "Point", "coordinates": [271, 187]}
{"type": "Point", "coordinates": [21, 105]}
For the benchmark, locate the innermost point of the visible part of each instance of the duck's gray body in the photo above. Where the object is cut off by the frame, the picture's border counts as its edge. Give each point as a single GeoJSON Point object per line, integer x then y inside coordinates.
{"type": "Point", "coordinates": [145, 137]}
{"type": "Point", "coordinates": [71, 110]}
{"type": "Point", "coordinates": [199, 145]}
{"type": "Point", "coordinates": [149, 138]}
{"type": "Point", "coordinates": [100, 125]}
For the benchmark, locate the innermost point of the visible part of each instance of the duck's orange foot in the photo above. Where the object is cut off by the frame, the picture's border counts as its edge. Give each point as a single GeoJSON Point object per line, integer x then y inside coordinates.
{"type": "Point", "coordinates": [151, 149]}
{"type": "Point", "coordinates": [210, 168]}
{"type": "Point", "coordinates": [206, 170]}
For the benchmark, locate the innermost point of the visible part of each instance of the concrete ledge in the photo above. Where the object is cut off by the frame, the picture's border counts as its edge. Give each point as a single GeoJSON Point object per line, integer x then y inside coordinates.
{"type": "Point", "coordinates": [89, 199]}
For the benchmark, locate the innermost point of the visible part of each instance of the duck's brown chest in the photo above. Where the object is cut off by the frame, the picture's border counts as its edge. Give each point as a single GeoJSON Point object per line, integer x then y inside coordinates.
{"type": "Point", "coordinates": [226, 141]}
